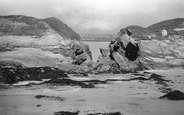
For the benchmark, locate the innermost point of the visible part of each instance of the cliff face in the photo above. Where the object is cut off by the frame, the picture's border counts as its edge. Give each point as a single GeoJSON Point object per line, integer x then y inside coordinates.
{"type": "Point", "coordinates": [36, 42]}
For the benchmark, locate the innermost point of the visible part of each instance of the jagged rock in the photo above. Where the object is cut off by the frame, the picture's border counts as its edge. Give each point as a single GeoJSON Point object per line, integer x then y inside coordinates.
{"type": "Point", "coordinates": [83, 59]}
{"type": "Point", "coordinates": [124, 64]}
{"type": "Point", "coordinates": [104, 52]}
{"type": "Point", "coordinates": [106, 65]}
{"type": "Point", "coordinates": [123, 53]}
{"type": "Point", "coordinates": [87, 50]}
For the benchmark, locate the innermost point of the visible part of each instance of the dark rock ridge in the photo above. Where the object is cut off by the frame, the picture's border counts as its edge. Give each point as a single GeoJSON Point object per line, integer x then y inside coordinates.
{"type": "Point", "coordinates": [66, 113]}
{"type": "Point", "coordinates": [13, 73]}
{"type": "Point", "coordinates": [70, 82]}
{"type": "Point", "coordinates": [55, 98]}
{"type": "Point", "coordinates": [34, 42]}
{"type": "Point", "coordinates": [111, 113]}
{"type": "Point", "coordinates": [64, 82]}
{"type": "Point", "coordinates": [153, 77]}
{"type": "Point", "coordinates": [78, 113]}
{"type": "Point", "coordinates": [173, 95]}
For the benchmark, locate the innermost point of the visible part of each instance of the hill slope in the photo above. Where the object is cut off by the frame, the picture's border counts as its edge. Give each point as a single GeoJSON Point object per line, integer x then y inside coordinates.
{"type": "Point", "coordinates": [167, 24]}
{"type": "Point", "coordinates": [61, 28]}
{"type": "Point", "coordinates": [138, 32]}
{"type": "Point", "coordinates": [20, 25]}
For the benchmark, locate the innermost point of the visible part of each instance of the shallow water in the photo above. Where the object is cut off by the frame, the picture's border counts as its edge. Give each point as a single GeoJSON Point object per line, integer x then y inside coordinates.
{"type": "Point", "coordinates": [95, 48]}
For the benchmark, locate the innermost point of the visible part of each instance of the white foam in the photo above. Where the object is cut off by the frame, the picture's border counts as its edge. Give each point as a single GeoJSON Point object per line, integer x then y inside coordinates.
{"type": "Point", "coordinates": [26, 82]}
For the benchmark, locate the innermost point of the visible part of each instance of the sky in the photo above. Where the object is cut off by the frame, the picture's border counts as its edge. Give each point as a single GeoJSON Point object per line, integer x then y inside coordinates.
{"type": "Point", "coordinates": [97, 16]}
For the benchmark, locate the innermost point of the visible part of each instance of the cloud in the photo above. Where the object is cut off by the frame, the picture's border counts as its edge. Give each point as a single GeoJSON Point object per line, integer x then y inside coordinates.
{"type": "Point", "coordinates": [99, 15]}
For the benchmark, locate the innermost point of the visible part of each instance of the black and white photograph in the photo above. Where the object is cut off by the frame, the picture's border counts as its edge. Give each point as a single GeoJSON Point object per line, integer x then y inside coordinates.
{"type": "Point", "coordinates": [91, 57]}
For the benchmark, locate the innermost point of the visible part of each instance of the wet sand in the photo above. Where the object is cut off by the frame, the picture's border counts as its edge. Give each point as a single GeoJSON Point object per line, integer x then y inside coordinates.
{"type": "Point", "coordinates": [128, 97]}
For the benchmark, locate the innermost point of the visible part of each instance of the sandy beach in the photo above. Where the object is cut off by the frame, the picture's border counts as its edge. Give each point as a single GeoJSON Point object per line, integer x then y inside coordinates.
{"type": "Point", "coordinates": [136, 97]}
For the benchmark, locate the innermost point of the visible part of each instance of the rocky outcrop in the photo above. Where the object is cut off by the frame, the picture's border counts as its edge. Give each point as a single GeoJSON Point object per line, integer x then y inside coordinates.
{"type": "Point", "coordinates": [36, 42]}
{"type": "Point", "coordinates": [128, 55]}
{"type": "Point", "coordinates": [123, 55]}
{"type": "Point", "coordinates": [162, 53]}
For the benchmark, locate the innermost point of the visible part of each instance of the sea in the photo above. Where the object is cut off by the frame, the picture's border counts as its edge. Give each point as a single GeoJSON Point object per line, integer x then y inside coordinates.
{"type": "Point", "coordinates": [95, 47]}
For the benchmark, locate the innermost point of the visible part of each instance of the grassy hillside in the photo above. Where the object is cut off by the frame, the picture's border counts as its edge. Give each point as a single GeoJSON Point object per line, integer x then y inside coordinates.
{"type": "Point", "coordinates": [167, 24]}
{"type": "Point", "coordinates": [142, 33]}
{"type": "Point", "coordinates": [61, 28]}
{"type": "Point", "coordinates": [21, 26]}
